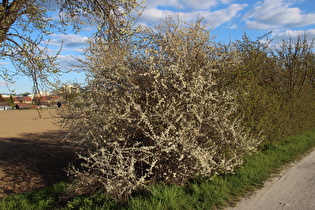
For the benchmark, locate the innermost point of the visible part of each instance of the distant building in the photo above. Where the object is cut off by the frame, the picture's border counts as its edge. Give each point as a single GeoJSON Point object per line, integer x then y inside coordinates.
{"type": "Point", "coordinates": [16, 100]}
{"type": "Point", "coordinates": [22, 106]}
{"type": "Point", "coordinates": [29, 102]}
{"type": "Point", "coordinates": [5, 106]}
{"type": "Point", "coordinates": [55, 98]}
{"type": "Point", "coordinates": [25, 99]}
{"type": "Point", "coordinates": [41, 99]}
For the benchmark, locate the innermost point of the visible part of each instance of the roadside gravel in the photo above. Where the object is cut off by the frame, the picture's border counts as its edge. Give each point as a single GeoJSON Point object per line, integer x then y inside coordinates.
{"type": "Point", "coordinates": [294, 189]}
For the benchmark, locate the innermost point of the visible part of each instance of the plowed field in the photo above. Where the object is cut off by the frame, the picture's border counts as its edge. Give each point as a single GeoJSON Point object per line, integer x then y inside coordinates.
{"type": "Point", "coordinates": [32, 152]}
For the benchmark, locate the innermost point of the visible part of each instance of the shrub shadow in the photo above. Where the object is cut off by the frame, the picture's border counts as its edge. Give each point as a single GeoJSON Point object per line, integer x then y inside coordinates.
{"type": "Point", "coordinates": [34, 160]}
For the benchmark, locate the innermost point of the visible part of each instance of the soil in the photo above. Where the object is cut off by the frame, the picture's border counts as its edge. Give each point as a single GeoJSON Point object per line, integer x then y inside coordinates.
{"type": "Point", "coordinates": [32, 151]}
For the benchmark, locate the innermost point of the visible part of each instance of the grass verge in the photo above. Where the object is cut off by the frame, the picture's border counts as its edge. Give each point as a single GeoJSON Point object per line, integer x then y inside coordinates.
{"type": "Point", "coordinates": [200, 194]}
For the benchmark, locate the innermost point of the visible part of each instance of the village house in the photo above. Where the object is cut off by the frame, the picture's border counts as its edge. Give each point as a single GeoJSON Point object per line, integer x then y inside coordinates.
{"type": "Point", "coordinates": [22, 106]}
{"type": "Point", "coordinates": [42, 101]}
{"type": "Point", "coordinates": [5, 106]}
{"type": "Point", "coordinates": [27, 102]}
{"type": "Point", "coordinates": [25, 99]}
{"type": "Point", "coordinates": [55, 98]}
{"type": "Point", "coordinates": [16, 100]}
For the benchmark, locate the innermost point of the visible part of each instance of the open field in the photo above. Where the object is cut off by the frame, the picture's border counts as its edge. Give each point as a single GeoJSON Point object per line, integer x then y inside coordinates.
{"type": "Point", "coordinates": [36, 158]}
{"type": "Point", "coordinates": [18, 123]}
{"type": "Point", "coordinates": [32, 154]}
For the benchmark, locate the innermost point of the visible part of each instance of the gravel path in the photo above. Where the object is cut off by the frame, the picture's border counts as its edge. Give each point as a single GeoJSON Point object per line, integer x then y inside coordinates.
{"type": "Point", "coordinates": [293, 189]}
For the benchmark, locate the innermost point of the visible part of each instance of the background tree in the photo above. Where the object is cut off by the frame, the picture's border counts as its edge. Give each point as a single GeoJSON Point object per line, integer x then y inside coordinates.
{"type": "Point", "coordinates": [69, 93]}
{"type": "Point", "coordinates": [295, 81]}
{"type": "Point", "coordinates": [10, 100]}
{"type": "Point", "coordinates": [1, 98]}
{"type": "Point", "coordinates": [255, 79]}
{"type": "Point", "coordinates": [25, 94]}
{"type": "Point", "coordinates": [274, 83]}
{"type": "Point", "coordinates": [25, 23]}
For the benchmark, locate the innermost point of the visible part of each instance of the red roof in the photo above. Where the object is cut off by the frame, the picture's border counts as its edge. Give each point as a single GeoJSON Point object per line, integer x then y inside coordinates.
{"type": "Point", "coordinates": [23, 105]}
{"type": "Point", "coordinates": [26, 98]}
{"type": "Point", "coordinates": [42, 98]}
{"type": "Point", "coordinates": [55, 97]}
{"type": "Point", "coordinates": [4, 104]}
{"type": "Point", "coordinates": [15, 99]}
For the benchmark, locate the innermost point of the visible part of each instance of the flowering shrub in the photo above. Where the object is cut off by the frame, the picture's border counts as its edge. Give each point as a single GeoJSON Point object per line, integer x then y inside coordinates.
{"type": "Point", "coordinates": [154, 113]}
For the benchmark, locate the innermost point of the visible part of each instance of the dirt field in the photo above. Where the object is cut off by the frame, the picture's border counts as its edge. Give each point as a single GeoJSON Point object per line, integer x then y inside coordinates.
{"type": "Point", "coordinates": [32, 153]}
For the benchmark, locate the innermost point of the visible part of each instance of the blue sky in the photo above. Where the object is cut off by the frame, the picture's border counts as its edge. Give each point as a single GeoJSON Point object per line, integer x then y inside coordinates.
{"type": "Point", "coordinates": [228, 20]}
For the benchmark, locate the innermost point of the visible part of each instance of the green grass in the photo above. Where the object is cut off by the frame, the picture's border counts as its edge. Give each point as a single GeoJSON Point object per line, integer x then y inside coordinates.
{"type": "Point", "coordinates": [200, 194]}
{"type": "Point", "coordinates": [45, 198]}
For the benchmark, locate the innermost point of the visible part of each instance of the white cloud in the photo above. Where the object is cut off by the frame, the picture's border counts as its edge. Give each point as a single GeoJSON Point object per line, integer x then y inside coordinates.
{"type": "Point", "coordinates": [226, 1]}
{"type": "Point", "coordinates": [233, 26]}
{"type": "Point", "coordinates": [165, 3]}
{"type": "Point", "coordinates": [150, 16]}
{"type": "Point", "coordinates": [199, 4]}
{"type": "Point", "coordinates": [278, 13]}
{"type": "Point", "coordinates": [260, 26]}
{"type": "Point", "coordinates": [67, 62]}
{"type": "Point", "coordinates": [278, 37]}
{"type": "Point", "coordinates": [68, 40]}
{"type": "Point", "coordinates": [152, 13]}
{"type": "Point", "coordinates": [224, 15]}
{"type": "Point", "coordinates": [293, 34]}
{"type": "Point", "coordinates": [191, 5]}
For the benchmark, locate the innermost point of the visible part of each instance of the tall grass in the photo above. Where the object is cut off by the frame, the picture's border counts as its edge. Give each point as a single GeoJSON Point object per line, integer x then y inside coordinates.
{"type": "Point", "coordinates": [201, 193]}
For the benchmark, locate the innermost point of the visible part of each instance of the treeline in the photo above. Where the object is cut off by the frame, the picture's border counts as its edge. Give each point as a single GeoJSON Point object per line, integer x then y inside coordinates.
{"type": "Point", "coordinates": [168, 103]}
{"type": "Point", "coordinates": [275, 84]}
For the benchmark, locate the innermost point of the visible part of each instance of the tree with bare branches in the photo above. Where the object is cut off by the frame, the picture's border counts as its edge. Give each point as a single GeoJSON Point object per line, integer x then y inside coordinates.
{"type": "Point", "coordinates": [25, 23]}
